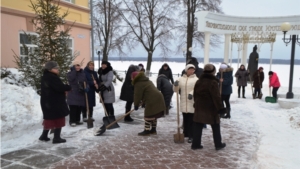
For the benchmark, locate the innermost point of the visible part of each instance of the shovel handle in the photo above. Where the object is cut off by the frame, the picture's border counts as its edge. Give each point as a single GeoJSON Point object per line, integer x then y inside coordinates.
{"type": "Point", "coordinates": [87, 102]}
{"type": "Point", "coordinates": [120, 118]}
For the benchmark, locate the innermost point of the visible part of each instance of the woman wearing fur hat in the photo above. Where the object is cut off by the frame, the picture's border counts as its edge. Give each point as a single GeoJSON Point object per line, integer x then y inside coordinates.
{"type": "Point", "coordinates": [145, 90]}
{"type": "Point", "coordinates": [127, 91]}
{"type": "Point", "coordinates": [208, 106]}
{"type": "Point", "coordinates": [225, 77]}
{"type": "Point", "coordinates": [53, 102]}
{"type": "Point", "coordinates": [92, 81]}
{"type": "Point", "coordinates": [106, 87]}
{"type": "Point", "coordinates": [186, 85]}
{"type": "Point", "coordinates": [76, 97]}
{"type": "Point", "coordinates": [258, 78]}
{"type": "Point", "coordinates": [241, 76]}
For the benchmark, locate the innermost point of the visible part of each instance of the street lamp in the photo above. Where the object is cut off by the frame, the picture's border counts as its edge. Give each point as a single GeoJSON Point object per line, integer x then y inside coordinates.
{"type": "Point", "coordinates": [99, 50]}
{"type": "Point", "coordinates": [286, 27]}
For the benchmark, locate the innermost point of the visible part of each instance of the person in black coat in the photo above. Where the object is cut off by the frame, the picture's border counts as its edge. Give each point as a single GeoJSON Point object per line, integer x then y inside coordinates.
{"type": "Point", "coordinates": [166, 70]}
{"type": "Point", "coordinates": [127, 91]}
{"type": "Point", "coordinates": [92, 81]}
{"type": "Point", "coordinates": [198, 70]}
{"type": "Point", "coordinates": [53, 102]}
{"type": "Point", "coordinates": [163, 84]}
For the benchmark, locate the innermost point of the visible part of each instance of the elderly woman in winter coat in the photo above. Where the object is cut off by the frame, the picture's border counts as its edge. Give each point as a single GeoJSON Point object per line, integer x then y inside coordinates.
{"type": "Point", "coordinates": [127, 91]}
{"type": "Point", "coordinates": [92, 81]}
{"type": "Point", "coordinates": [166, 70]}
{"type": "Point", "coordinates": [145, 90]}
{"type": "Point", "coordinates": [186, 85]}
{"type": "Point", "coordinates": [274, 82]}
{"type": "Point", "coordinates": [106, 87]}
{"type": "Point", "coordinates": [225, 77]}
{"type": "Point", "coordinates": [163, 84]}
{"type": "Point", "coordinates": [258, 78]}
{"type": "Point", "coordinates": [53, 102]}
{"type": "Point", "coordinates": [241, 76]}
{"type": "Point", "coordinates": [76, 97]}
{"type": "Point", "coordinates": [208, 106]}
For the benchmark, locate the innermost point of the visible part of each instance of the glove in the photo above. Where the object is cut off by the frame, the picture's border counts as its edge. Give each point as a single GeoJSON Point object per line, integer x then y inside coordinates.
{"type": "Point", "coordinates": [176, 83]}
{"type": "Point", "coordinates": [136, 108]}
{"type": "Point", "coordinates": [102, 88]}
{"type": "Point", "coordinates": [190, 96]}
{"type": "Point", "coordinates": [222, 112]}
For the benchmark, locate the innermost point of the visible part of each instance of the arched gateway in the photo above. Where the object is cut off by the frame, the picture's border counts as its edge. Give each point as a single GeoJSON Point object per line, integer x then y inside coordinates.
{"type": "Point", "coordinates": [243, 30]}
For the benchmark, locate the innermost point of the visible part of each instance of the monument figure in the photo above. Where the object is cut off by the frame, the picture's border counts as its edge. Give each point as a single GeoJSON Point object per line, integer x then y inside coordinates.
{"type": "Point", "coordinates": [253, 62]}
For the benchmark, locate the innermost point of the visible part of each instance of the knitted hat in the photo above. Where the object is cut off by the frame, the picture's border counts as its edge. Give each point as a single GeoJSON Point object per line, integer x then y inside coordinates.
{"type": "Point", "coordinates": [260, 68]}
{"type": "Point", "coordinates": [134, 74]}
{"type": "Point", "coordinates": [50, 65]}
{"type": "Point", "coordinates": [188, 66]}
{"type": "Point", "coordinates": [209, 69]}
{"type": "Point", "coordinates": [76, 62]}
{"type": "Point", "coordinates": [270, 73]}
{"type": "Point", "coordinates": [141, 65]}
{"type": "Point", "coordinates": [105, 63]}
{"type": "Point", "coordinates": [223, 66]}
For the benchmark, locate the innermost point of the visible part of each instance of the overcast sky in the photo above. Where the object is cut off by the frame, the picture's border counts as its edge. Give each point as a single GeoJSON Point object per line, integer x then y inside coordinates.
{"type": "Point", "coordinates": [255, 8]}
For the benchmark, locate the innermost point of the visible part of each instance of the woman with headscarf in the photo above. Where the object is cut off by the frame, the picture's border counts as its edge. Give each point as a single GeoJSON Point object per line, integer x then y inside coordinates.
{"type": "Point", "coordinates": [127, 91]}
{"type": "Point", "coordinates": [53, 102]}
{"type": "Point", "coordinates": [241, 76]}
{"type": "Point", "coordinates": [208, 106]}
{"type": "Point", "coordinates": [186, 85]}
{"type": "Point", "coordinates": [106, 87]}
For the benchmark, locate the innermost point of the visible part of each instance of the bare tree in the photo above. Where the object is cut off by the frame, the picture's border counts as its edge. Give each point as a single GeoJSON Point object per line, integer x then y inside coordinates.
{"type": "Point", "coordinates": [111, 33]}
{"type": "Point", "coordinates": [188, 30]}
{"type": "Point", "coordinates": [151, 22]}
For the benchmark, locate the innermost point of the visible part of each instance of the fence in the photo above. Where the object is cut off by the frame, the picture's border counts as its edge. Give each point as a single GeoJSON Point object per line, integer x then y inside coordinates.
{"type": "Point", "coordinates": [150, 73]}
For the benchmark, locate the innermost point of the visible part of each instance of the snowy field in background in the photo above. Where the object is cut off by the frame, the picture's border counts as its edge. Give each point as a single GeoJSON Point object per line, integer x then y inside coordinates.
{"type": "Point", "coordinates": [279, 129]}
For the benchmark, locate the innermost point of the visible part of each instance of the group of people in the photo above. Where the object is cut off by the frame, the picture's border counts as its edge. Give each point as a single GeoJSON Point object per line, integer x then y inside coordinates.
{"type": "Point", "coordinates": [202, 96]}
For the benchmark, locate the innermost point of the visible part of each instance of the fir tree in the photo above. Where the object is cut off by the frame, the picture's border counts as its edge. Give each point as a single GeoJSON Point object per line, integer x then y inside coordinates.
{"type": "Point", "coordinates": [51, 42]}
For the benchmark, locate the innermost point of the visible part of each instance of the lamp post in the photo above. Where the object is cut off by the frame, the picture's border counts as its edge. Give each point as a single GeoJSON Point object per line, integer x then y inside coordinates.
{"type": "Point", "coordinates": [187, 53]}
{"type": "Point", "coordinates": [286, 27]}
{"type": "Point", "coordinates": [99, 50]}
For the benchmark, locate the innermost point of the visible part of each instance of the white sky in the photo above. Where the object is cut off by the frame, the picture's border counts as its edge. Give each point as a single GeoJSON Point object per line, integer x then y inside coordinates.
{"type": "Point", "coordinates": [250, 8]}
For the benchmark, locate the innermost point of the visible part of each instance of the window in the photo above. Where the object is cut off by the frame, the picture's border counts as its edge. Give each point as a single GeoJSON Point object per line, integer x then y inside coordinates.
{"type": "Point", "coordinates": [70, 45]}
{"type": "Point", "coordinates": [71, 1]}
{"type": "Point", "coordinates": [26, 44]}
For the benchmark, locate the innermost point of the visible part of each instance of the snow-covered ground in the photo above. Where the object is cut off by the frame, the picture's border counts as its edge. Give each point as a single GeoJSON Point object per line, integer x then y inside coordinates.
{"type": "Point", "coordinates": [279, 129]}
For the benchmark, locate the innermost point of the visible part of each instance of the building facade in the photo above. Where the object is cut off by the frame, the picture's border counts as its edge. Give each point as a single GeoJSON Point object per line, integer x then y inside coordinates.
{"type": "Point", "coordinates": [16, 16]}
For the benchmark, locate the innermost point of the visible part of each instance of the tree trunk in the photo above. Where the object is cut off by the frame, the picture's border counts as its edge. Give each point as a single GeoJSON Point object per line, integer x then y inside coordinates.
{"type": "Point", "coordinates": [149, 61]}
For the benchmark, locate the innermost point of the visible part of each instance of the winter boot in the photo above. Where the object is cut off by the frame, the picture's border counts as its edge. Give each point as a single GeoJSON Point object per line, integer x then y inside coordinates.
{"type": "Point", "coordinates": [146, 131]}
{"type": "Point", "coordinates": [153, 127]}
{"type": "Point", "coordinates": [57, 138]}
{"type": "Point", "coordinates": [244, 94]}
{"type": "Point", "coordinates": [44, 136]}
{"type": "Point", "coordinates": [228, 113]}
{"type": "Point", "coordinates": [239, 93]}
{"type": "Point", "coordinates": [221, 146]}
{"type": "Point", "coordinates": [167, 110]}
{"type": "Point", "coordinates": [128, 118]}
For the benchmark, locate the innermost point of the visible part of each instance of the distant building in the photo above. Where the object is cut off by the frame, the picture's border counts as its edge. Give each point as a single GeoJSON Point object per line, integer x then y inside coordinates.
{"type": "Point", "coordinates": [16, 16]}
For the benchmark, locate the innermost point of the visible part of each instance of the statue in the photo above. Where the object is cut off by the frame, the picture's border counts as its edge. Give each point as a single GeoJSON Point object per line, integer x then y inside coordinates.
{"type": "Point", "coordinates": [253, 62]}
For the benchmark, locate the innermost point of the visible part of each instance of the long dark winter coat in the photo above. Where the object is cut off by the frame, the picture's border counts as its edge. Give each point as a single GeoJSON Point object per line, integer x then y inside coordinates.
{"type": "Point", "coordinates": [89, 74]}
{"type": "Point", "coordinates": [53, 97]}
{"type": "Point", "coordinates": [258, 78]}
{"type": "Point", "coordinates": [198, 71]}
{"type": "Point", "coordinates": [127, 87]}
{"type": "Point", "coordinates": [145, 90]}
{"type": "Point", "coordinates": [167, 72]}
{"type": "Point", "coordinates": [106, 77]}
{"type": "Point", "coordinates": [227, 80]}
{"type": "Point", "coordinates": [163, 84]}
{"type": "Point", "coordinates": [241, 76]}
{"type": "Point", "coordinates": [207, 100]}
{"type": "Point", "coordinates": [75, 97]}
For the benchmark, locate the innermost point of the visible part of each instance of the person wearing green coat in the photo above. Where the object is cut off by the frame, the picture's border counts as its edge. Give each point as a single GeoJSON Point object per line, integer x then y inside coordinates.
{"type": "Point", "coordinates": [145, 90]}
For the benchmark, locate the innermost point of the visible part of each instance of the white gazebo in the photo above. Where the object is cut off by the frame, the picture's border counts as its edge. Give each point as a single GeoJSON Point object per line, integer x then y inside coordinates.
{"type": "Point", "coordinates": [242, 31]}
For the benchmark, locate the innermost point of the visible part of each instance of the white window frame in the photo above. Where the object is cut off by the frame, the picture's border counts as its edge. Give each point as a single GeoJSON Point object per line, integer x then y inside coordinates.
{"type": "Point", "coordinates": [72, 45]}
{"type": "Point", "coordinates": [70, 1]}
{"type": "Point", "coordinates": [30, 46]}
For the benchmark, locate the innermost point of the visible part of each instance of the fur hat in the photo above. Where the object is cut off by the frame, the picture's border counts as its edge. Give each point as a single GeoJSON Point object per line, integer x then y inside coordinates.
{"type": "Point", "coordinates": [50, 65]}
{"type": "Point", "coordinates": [134, 74]}
{"type": "Point", "coordinates": [189, 66]}
{"type": "Point", "coordinates": [76, 62]}
{"type": "Point", "coordinates": [260, 68]}
{"type": "Point", "coordinates": [209, 69]}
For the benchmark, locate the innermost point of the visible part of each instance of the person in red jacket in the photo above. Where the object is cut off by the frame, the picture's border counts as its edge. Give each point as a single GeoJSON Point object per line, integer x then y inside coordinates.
{"type": "Point", "coordinates": [274, 82]}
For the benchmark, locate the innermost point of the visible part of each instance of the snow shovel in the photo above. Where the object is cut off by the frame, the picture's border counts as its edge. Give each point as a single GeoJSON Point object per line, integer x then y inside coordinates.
{"type": "Point", "coordinates": [90, 123]}
{"type": "Point", "coordinates": [178, 137]}
{"type": "Point", "coordinates": [103, 128]}
{"type": "Point", "coordinates": [270, 99]}
{"type": "Point", "coordinates": [107, 119]}
{"type": "Point", "coordinates": [221, 83]}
